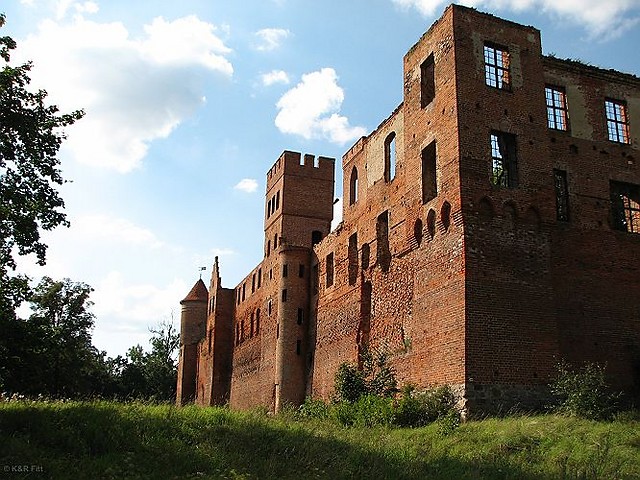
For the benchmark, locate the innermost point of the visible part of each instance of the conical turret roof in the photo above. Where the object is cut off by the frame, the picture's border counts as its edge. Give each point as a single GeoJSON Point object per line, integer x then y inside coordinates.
{"type": "Point", "coordinates": [198, 293]}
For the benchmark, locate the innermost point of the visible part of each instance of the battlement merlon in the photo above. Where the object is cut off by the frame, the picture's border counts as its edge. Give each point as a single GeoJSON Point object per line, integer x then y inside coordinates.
{"type": "Point", "coordinates": [296, 164]}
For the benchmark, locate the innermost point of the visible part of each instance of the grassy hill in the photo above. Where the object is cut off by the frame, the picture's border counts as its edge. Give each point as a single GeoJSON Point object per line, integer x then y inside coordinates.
{"type": "Point", "coordinates": [109, 440]}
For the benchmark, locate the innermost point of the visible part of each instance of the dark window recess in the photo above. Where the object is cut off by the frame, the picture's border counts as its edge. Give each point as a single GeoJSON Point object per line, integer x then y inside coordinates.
{"type": "Point", "coordinates": [496, 67]}
{"type": "Point", "coordinates": [617, 121]}
{"type": "Point", "coordinates": [244, 288]}
{"type": "Point", "coordinates": [417, 231]}
{"type": "Point", "coordinates": [353, 259]}
{"type": "Point", "coordinates": [268, 247]}
{"type": "Point", "coordinates": [366, 255]}
{"type": "Point", "coordinates": [429, 183]}
{"type": "Point", "coordinates": [329, 267]}
{"type": "Point", "coordinates": [277, 200]}
{"type": "Point", "coordinates": [383, 253]}
{"type": "Point", "coordinates": [285, 271]}
{"type": "Point", "coordinates": [300, 316]}
{"type": "Point", "coordinates": [316, 237]}
{"type": "Point", "coordinates": [251, 325]}
{"type": "Point", "coordinates": [557, 113]}
{"type": "Point", "coordinates": [253, 283]}
{"type": "Point", "coordinates": [504, 165]}
{"type": "Point", "coordinates": [427, 81]}
{"type": "Point", "coordinates": [277, 330]}
{"type": "Point", "coordinates": [353, 186]}
{"type": "Point", "coordinates": [269, 307]}
{"type": "Point", "coordinates": [625, 206]}
{"type": "Point", "coordinates": [315, 279]}
{"type": "Point", "coordinates": [390, 157]}
{"type": "Point", "coordinates": [431, 223]}
{"type": "Point", "coordinates": [284, 295]}
{"type": "Point", "coordinates": [257, 321]}
{"type": "Point", "coordinates": [301, 270]}
{"type": "Point", "coordinates": [259, 277]}
{"type": "Point", "coordinates": [298, 347]}
{"type": "Point", "coordinates": [562, 195]}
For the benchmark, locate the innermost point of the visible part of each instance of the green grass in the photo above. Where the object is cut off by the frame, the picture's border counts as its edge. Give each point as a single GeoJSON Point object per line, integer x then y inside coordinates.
{"type": "Point", "coordinates": [108, 440]}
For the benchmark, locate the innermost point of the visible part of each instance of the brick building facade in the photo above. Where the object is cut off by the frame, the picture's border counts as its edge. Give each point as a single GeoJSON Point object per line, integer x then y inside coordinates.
{"type": "Point", "coordinates": [491, 227]}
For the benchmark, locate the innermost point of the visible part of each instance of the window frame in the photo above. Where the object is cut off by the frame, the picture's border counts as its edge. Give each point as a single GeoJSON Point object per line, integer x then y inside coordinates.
{"type": "Point", "coordinates": [617, 116]}
{"type": "Point", "coordinates": [625, 206]}
{"type": "Point", "coordinates": [497, 71]}
{"type": "Point", "coordinates": [504, 152]}
{"type": "Point", "coordinates": [557, 108]}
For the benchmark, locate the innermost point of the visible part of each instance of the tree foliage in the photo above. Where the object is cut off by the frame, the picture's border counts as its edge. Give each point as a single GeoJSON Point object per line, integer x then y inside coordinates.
{"type": "Point", "coordinates": [30, 138]}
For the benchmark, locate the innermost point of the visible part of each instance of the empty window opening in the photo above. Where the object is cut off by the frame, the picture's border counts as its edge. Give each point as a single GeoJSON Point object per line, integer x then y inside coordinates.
{"type": "Point", "coordinates": [431, 223]}
{"type": "Point", "coordinates": [277, 199]}
{"type": "Point", "coordinates": [390, 157]}
{"type": "Point", "coordinates": [270, 274]}
{"type": "Point", "coordinates": [257, 321]}
{"type": "Point", "coordinates": [353, 259]}
{"type": "Point", "coordinates": [383, 253]}
{"type": "Point", "coordinates": [244, 287]}
{"type": "Point", "coordinates": [504, 165]}
{"type": "Point", "coordinates": [275, 241]}
{"type": "Point", "coordinates": [445, 215]}
{"type": "Point", "coordinates": [285, 270]}
{"type": "Point", "coordinates": [259, 277]}
{"type": "Point", "coordinates": [252, 326]}
{"type": "Point", "coordinates": [277, 330]}
{"type": "Point", "coordinates": [427, 81]}
{"type": "Point", "coordinates": [429, 183]}
{"type": "Point", "coordinates": [269, 307]}
{"type": "Point", "coordinates": [353, 186]}
{"type": "Point", "coordinates": [284, 295]}
{"type": "Point", "coordinates": [365, 255]}
{"type": "Point", "coordinates": [315, 279]}
{"type": "Point", "coordinates": [253, 283]}
{"type": "Point", "coordinates": [625, 206]}
{"type": "Point", "coordinates": [329, 267]}
{"type": "Point", "coordinates": [417, 231]}
{"type": "Point", "coordinates": [562, 195]}
{"type": "Point", "coordinates": [301, 270]}
{"type": "Point", "coordinates": [617, 121]}
{"type": "Point", "coordinates": [316, 237]}
{"type": "Point", "coordinates": [557, 113]}
{"type": "Point", "coordinates": [298, 347]}
{"type": "Point", "coordinates": [496, 67]}
{"type": "Point", "coordinates": [238, 296]}
{"type": "Point", "coordinates": [268, 247]}
{"type": "Point", "coordinates": [300, 316]}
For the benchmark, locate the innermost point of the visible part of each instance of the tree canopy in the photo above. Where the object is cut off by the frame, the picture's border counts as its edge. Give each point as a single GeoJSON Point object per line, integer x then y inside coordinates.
{"type": "Point", "coordinates": [31, 133]}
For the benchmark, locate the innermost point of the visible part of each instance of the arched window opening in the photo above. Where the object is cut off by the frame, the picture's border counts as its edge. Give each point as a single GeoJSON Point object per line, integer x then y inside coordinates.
{"type": "Point", "coordinates": [353, 186]}
{"type": "Point", "coordinates": [390, 157]}
{"type": "Point", "coordinates": [417, 231]}
{"type": "Point", "coordinates": [445, 215]}
{"type": "Point", "coordinates": [431, 223]}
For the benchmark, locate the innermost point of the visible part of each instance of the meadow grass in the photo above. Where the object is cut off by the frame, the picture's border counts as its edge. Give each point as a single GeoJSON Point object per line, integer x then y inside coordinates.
{"type": "Point", "coordinates": [110, 440]}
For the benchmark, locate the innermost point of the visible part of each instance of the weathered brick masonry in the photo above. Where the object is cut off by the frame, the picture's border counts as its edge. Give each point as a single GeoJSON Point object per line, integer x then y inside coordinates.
{"type": "Point", "coordinates": [491, 227]}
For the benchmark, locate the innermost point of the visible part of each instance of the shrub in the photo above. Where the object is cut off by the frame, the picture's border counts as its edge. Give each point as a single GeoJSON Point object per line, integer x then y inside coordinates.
{"type": "Point", "coordinates": [584, 393]}
{"type": "Point", "coordinates": [313, 409]}
{"type": "Point", "coordinates": [419, 409]}
{"type": "Point", "coordinates": [368, 411]}
{"type": "Point", "coordinates": [375, 378]}
{"type": "Point", "coordinates": [350, 383]}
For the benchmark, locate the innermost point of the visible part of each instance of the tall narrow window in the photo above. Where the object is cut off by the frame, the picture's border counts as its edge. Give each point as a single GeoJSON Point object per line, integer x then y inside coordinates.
{"type": "Point", "coordinates": [625, 206]}
{"type": "Point", "coordinates": [365, 255]}
{"type": "Point", "coordinates": [284, 295]}
{"type": "Point", "coordinates": [298, 347]}
{"type": "Point", "coordinates": [251, 326]}
{"type": "Point", "coordinates": [353, 259]}
{"type": "Point", "coordinates": [504, 171]}
{"type": "Point", "coordinates": [300, 316]}
{"type": "Point", "coordinates": [259, 277]}
{"type": "Point", "coordinates": [257, 321]}
{"type": "Point", "coordinates": [269, 307]}
{"type": "Point", "coordinates": [496, 67]}
{"type": "Point", "coordinates": [353, 186]}
{"type": "Point", "coordinates": [562, 195]}
{"type": "Point", "coordinates": [253, 283]}
{"type": "Point", "coordinates": [316, 236]}
{"type": "Point", "coordinates": [429, 183]}
{"type": "Point", "coordinates": [557, 113]}
{"type": "Point", "coordinates": [244, 288]}
{"type": "Point", "coordinates": [617, 121]}
{"type": "Point", "coordinates": [301, 270]}
{"type": "Point", "coordinates": [427, 81]}
{"type": "Point", "coordinates": [285, 270]}
{"type": "Point", "coordinates": [277, 200]}
{"type": "Point", "coordinates": [275, 241]}
{"type": "Point", "coordinates": [390, 157]}
{"type": "Point", "coordinates": [329, 267]}
{"type": "Point", "coordinates": [382, 241]}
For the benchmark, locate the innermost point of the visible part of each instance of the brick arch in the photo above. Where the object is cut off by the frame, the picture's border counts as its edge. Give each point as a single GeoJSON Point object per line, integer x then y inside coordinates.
{"type": "Point", "coordinates": [431, 223]}
{"type": "Point", "coordinates": [485, 209]}
{"type": "Point", "coordinates": [510, 210]}
{"type": "Point", "coordinates": [445, 215]}
{"type": "Point", "coordinates": [418, 232]}
{"type": "Point", "coordinates": [532, 218]}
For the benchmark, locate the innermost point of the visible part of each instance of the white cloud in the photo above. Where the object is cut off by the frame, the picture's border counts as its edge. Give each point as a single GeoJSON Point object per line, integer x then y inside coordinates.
{"type": "Point", "coordinates": [134, 91]}
{"type": "Point", "coordinates": [112, 229]}
{"type": "Point", "coordinates": [602, 19]}
{"type": "Point", "coordinates": [275, 76]}
{"type": "Point", "coordinates": [248, 185]}
{"type": "Point", "coordinates": [311, 109]}
{"type": "Point", "coordinates": [271, 38]}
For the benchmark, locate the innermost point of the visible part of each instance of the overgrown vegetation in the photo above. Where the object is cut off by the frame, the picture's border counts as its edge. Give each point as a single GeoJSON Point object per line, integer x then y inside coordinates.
{"type": "Point", "coordinates": [108, 440]}
{"type": "Point", "coordinates": [584, 392]}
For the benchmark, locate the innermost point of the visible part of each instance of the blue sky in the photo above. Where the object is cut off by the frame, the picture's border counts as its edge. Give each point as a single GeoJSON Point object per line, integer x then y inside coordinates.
{"type": "Point", "coordinates": [189, 103]}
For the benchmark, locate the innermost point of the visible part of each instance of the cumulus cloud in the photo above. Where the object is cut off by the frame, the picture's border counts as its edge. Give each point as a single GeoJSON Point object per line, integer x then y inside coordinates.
{"type": "Point", "coordinates": [271, 38]}
{"type": "Point", "coordinates": [113, 229]}
{"type": "Point", "coordinates": [248, 185]}
{"type": "Point", "coordinates": [134, 90]}
{"type": "Point", "coordinates": [275, 76]}
{"type": "Point", "coordinates": [602, 19]}
{"type": "Point", "coordinates": [311, 109]}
